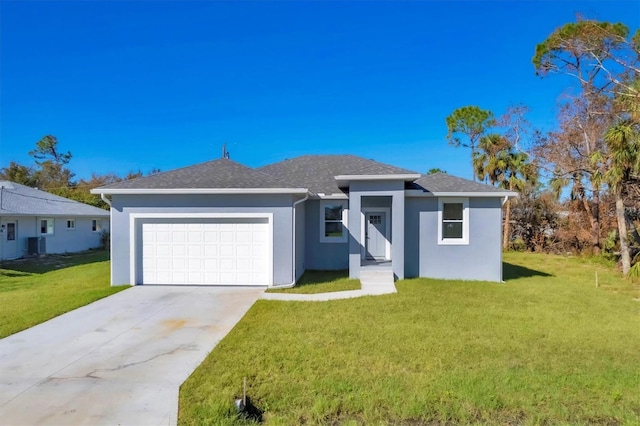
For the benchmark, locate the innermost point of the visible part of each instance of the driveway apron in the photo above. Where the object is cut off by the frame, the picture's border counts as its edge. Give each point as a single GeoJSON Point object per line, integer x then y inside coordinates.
{"type": "Point", "coordinates": [119, 360]}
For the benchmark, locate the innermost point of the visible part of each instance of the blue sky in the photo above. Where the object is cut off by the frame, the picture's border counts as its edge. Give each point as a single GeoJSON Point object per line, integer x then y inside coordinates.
{"type": "Point", "coordinates": [129, 86]}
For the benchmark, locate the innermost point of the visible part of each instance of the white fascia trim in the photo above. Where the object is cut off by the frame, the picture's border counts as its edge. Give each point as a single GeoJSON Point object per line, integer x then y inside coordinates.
{"type": "Point", "coordinates": [406, 176]}
{"type": "Point", "coordinates": [338, 196]}
{"type": "Point", "coordinates": [133, 217]}
{"type": "Point", "coordinates": [201, 191]}
{"type": "Point", "coordinates": [420, 193]}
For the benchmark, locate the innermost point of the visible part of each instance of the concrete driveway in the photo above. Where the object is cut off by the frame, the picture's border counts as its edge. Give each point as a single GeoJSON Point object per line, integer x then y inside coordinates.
{"type": "Point", "coordinates": [117, 361]}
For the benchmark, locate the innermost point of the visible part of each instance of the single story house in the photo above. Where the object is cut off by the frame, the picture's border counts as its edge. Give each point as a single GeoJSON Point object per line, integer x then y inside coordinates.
{"type": "Point", "coordinates": [220, 222]}
{"type": "Point", "coordinates": [37, 222]}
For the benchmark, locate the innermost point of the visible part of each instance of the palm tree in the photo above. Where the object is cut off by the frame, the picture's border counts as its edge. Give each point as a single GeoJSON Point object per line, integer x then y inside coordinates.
{"type": "Point", "coordinates": [623, 141]}
{"type": "Point", "coordinates": [498, 162]}
{"type": "Point", "coordinates": [623, 144]}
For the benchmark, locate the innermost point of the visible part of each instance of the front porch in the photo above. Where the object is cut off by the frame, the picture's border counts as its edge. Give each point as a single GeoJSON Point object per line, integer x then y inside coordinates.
{"type": "Point", "coordinates": [376, 228]}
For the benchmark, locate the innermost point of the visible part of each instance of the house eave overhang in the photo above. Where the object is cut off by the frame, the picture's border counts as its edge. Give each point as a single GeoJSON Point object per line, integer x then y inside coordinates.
{"type": "Point", "coordinates": [496, 194]}
{"type": "Point", "coordinates": [187, 191]}
{"type": "Point", "coordinates": [337, 196]}
{"type": "Point", "coordinates": [6, 213]}
{"type": "Point", "coordinates": [408, 177]}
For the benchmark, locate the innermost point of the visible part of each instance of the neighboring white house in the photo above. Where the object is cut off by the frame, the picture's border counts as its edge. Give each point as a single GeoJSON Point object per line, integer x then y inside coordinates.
{"type": "Point", "coordinates": [37, 222]}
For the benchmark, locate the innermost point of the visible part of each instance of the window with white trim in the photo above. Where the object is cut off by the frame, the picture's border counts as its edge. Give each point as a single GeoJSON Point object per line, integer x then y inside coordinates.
{"type": "Point", "coordinates": [333, 221]}
{"type": "Point", "coordinates": [96, 225]}
{"type": "Point", "coordinates": [453, 221]}
{"type": "Point", "coordinates": [71, 224]}
{"type": "Point", "coordinates": [46, 226]}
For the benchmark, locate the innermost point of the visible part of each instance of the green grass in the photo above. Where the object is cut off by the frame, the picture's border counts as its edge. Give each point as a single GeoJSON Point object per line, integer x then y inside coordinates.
{"type": "Point", "coordinates": [546, 347]}
{"type": "Point", "coordinates": [35, 290]}
{"type": "Point", "coordinates": [321, 282]}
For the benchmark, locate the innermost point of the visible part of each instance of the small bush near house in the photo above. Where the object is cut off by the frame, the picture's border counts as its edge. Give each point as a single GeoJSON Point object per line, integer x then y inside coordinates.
{"type": "Point", "coordinates": [105, 240]}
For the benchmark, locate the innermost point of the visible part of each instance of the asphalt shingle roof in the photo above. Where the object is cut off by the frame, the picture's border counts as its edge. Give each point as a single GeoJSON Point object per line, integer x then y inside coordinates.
{"type": "Point", "coordinates": [17, 199]}
{"type": "Point", "coordinates": [442, 182]}
{"type": "Point", "coordinates": [317, 172]}
{"type": "Point", "coordinates": [221, 173]}
{"type": "Point", "coordinates": [314, 172]}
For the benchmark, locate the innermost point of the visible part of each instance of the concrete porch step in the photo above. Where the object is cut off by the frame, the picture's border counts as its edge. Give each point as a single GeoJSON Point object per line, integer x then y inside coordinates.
{"type": "Point", "coordinates": [377, 281]}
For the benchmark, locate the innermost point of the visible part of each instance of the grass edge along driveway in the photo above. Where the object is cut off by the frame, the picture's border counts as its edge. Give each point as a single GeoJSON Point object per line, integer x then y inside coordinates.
{"type": "Point", "coordinates": [35, 290]}
{"type": "Point", "coordinates": [546, 347]}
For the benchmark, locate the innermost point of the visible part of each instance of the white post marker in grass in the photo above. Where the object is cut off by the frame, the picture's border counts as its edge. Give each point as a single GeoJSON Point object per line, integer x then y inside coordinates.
{"type": "Point", "coordinates": [241, 404]}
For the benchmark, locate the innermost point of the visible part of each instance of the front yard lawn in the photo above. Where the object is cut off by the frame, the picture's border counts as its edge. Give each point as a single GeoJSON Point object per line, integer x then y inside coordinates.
{"type": "Point", "coordinates": [546, 347]}
{"type": "Point", "coordinates": [35, 290]}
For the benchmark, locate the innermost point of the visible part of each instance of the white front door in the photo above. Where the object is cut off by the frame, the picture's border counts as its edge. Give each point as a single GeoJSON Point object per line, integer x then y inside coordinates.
{"type": "Point", "coordinates": [10, 240]}
{"type": "Point", "coordinates": [375, 235]}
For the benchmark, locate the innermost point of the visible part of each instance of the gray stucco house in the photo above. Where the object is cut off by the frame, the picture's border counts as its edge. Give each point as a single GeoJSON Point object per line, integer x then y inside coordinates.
{"type": "Point", "coordinates": [220, 222]}
{"type": "Point", "coordinates": [37, 222]}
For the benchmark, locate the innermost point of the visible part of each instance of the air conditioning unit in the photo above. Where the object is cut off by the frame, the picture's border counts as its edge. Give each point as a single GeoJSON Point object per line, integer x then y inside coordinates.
{"type": "Point", "coordinates": [36, 245]}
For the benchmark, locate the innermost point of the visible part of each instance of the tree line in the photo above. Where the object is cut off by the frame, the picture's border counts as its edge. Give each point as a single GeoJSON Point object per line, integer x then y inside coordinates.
{"type": "Point", "coordinates": [51, 173]}
{"type": "Point", "coordinates": [579, 184]}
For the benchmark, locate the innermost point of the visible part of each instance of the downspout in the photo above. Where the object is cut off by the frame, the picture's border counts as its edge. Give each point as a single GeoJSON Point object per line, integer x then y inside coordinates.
{"type": "Point", "coordinates": [293, 232]}
{"type": "Point", "coordinates": [504, 200]}
{"type": "Point", "coordinates": [106, 200]}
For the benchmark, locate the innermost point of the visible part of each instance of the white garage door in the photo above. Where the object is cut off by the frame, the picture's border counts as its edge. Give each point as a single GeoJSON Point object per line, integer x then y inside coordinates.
{"type": "Point", "coordinates": [220, 251]}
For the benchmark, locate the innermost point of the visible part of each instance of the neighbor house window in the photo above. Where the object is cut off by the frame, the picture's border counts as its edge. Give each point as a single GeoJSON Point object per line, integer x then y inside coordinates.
{"type": "Point", "coordinates": [71, 224]}
{"type": "Point", "coordinates": [333, 220]}
{"type": "Point", "coordinates": [11, 231]}
{"type": "Point", "coordinates": [453, 221]}
{"type": "Point", "coordinates": [96, 225]}
{"type": "Point", "coordinates": [46, 226]}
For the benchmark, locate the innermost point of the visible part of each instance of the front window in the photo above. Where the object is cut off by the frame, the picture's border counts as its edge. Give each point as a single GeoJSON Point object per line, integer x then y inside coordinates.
{"type": "Point", "coordinates": [333, 216]}
{"type": "Point", "coordinates": [71, 224]}
{"type": "Point", "coordinates": [46, 226]}
{"type": "Point", "coordinates": [453, 218]}
{"type": "Point", "coordinates": [96, 225]}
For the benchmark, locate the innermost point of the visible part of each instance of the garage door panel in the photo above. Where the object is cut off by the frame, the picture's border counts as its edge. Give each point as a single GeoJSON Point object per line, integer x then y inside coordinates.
{"type": "Point", "coordinates": [224, 253]}
{"type": "Point", "coordinates": [211, 236]}
{"type": "Point", "coordinates": [243, 277]}
{"type": "Point", "coordinates": [227, 277]}
{"type": "Point", "coordinates": [163, 236]}
{"type": "Point", "coordinates": [243, 264]}
{"type": "Point", "coordinates": [244, 250]}
{"type": "Point", "coordinates": [195, 278]}
{"type": "Point", "coordinates": [175, 264]}
{"type": "Point", "coordinates": [162, 250]}
{"type": "Point", "coordinates": [195, 250]}
{"type": "Point", "coordinates": [195, 236]}
{"type": "Point", "coordinates": [227, 264]}
{"type": "Point", "coordinates": [211, 250]}
{"type": "Point", "coordinates": [177, 277]}
{"type": "Point", "coordinates": [196, 264]}
{"type": "Point", "coordinates": [211, 264]}
{"type": "Point", "coordinates": [227, 250]}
